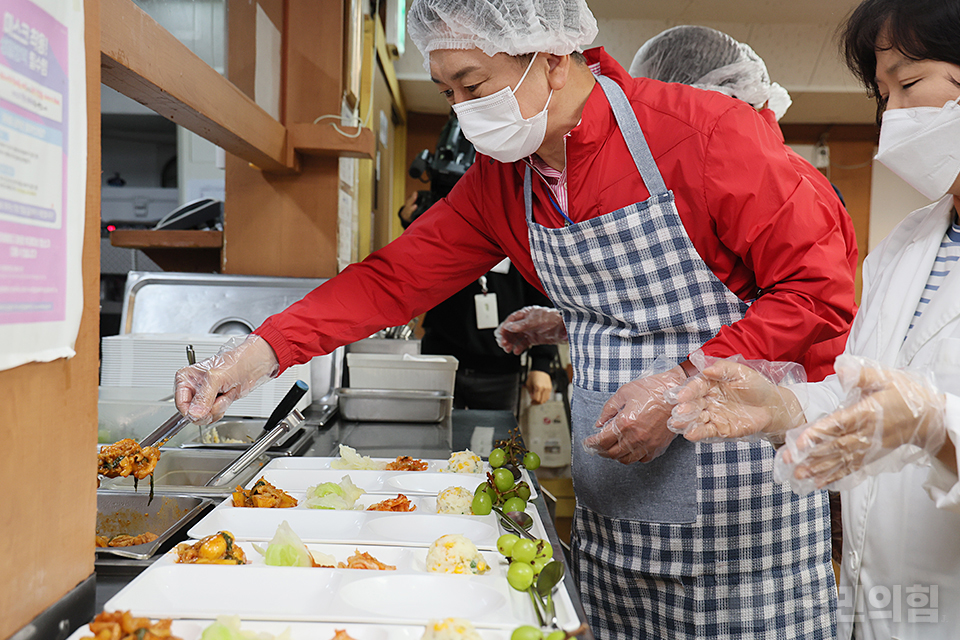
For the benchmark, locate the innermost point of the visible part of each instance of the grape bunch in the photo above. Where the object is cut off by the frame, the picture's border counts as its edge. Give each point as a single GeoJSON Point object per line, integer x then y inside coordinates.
{"type": "Point", "coordinates": [503, 490]}
{"type": "Point", "coordinates": [529, 632]}
{"type": "Point", "coordinates": [527, 558]}
{"type": "Point", "coordinates": [512, 454]}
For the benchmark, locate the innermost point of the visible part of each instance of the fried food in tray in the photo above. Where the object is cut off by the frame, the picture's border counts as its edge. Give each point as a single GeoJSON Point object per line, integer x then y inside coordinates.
{"type": "Point", "coordinates": [120, 625]}
{"type": "Point", "coordinates": [263, 495]}
{"type": "Point", "coordinates": [400, 504]}
{"type": "Point", "coordinates": [341, 634]}
{"type": "Point", "coordinates": [357, 561]}
{"type": "Point", "coordinates": [218, 548]}
{"type": "Point", "coordinates": [124, 540]}
{"type": "Point", "coordinates": [406, 463]}
{"type": "Point", "coordinates": [126, 458]}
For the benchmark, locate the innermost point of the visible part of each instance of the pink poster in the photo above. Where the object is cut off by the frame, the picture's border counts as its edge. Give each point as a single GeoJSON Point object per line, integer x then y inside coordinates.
{"type": "Point", "coordinates": [34, 104]}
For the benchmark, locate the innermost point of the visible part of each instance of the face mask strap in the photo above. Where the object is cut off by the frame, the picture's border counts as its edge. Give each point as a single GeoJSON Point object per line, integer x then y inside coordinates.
{"type": "Point", "coordinates": [529, 66]}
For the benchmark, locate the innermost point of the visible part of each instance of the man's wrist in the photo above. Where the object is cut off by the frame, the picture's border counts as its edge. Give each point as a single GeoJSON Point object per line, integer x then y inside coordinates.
{"type": "Point", "coordinates": [689, 369]}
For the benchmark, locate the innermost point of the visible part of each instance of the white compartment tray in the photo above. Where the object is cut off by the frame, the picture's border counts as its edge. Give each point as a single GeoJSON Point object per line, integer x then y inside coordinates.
{"type": "Point", "coordinates": [329, 595]}
{"type": "Point", "coordinates": [377, 482]}
{"type": "Point", "coordinates": [417, 528]}
{"type": "Point", "coordinates": [430, 482]}
{"type": "Point", "coordinates": [347, 527]}
{"type": "Point", "coordinates": [193, 629]}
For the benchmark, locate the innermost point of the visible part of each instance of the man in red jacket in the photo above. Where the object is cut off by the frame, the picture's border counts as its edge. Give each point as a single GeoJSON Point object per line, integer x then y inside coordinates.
{"type": "Point", "coordinates": [660, 219]}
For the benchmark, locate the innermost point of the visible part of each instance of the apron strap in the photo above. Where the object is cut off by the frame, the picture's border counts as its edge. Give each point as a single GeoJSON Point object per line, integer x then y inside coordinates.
{"type": "Point", "coordinates": [528, 195]}
{"type": "Point", "coordinates": [633, 135]}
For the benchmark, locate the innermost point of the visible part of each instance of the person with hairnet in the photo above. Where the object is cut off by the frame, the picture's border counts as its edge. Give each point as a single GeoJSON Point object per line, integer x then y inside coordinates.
{"type": "Point", "coordinates": [660, 220]}
{"type": "Point", "coordinates": [885, 430]}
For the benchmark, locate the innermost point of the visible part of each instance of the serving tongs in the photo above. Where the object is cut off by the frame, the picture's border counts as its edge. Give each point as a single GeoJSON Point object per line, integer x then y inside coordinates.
{"type": "Point", "coordinates": [284, 419]}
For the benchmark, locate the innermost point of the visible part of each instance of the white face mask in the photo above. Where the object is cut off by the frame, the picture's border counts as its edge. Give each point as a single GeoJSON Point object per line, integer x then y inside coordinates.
{"type": "Point", "coordinates": [496, 127]}
{"type": "Point", "coordinates": [922, 146]}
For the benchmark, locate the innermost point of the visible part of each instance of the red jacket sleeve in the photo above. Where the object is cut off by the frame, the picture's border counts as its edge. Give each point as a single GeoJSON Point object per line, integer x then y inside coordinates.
{"type": "Point", "coordinates": [786, 234]}
{"type": "Point", "coordinates": [439, 254]}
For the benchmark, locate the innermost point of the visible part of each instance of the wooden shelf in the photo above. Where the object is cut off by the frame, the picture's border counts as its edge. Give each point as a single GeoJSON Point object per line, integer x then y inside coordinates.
{"type": "Point", "coordinates": [191, 251]}
{"type": "Point", "coordinates": [323, 140]}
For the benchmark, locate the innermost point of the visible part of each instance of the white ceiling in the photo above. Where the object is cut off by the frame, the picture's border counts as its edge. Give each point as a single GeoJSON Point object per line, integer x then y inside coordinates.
{"type": "Point", "coordinates": [797, 40]}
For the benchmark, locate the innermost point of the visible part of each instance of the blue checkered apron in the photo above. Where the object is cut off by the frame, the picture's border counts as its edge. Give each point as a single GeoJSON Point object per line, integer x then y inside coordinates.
{"type": "Point", "coordinates": [699, 543]}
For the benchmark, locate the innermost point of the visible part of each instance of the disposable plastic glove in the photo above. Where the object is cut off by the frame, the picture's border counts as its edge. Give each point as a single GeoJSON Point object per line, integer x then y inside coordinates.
{"type": "Point", "coordinates": [530, 326]}
{"type": "Point", "coordinates": [633, 422]}
{"type": "Point", "coordinates": [206, 389]}
{"type": "Point", "coordinates": [540, 386]}
{"type": "Point", "coordinates": [737, 399]}
{"type": "Point", "coordinates": [889, 419]}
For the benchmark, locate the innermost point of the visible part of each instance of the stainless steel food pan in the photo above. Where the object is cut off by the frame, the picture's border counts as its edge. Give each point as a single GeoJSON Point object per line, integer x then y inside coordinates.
{"type": "Point", "coordinates": [187, 470]}
{"type": "Point", "coordinates": [124, 512]}
{"type": "Point", "coordinates": [394, 405]}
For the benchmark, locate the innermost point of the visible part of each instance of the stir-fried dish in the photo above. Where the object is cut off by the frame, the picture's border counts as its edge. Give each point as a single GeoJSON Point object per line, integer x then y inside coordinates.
{"type": "Point", "coordinates": [120, 625]}
{"type": "Point", "coordinates": [218, 548]}
{"type": "Point", "coordinates": [358, 561]}
{"type": "Point", "coordinates": [263, 494]}
{"type": "Point", "coordinates": [399, 504]}
{"type": "Point", "coordinates": [126, 458]}
{"type": "Point", "coordinates": [406, 463]}
{"type": "Point", "coordinates": [124, 540]}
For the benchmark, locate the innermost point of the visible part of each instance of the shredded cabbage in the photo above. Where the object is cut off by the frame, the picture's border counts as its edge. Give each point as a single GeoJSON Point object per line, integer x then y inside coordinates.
{"type": "Point", "coordinates": [351, 460]}
{"type": "Point", "coordinates": [228, 628]}
{"type": "Point", "coordinates": [329, 495]}
{"type": "Point", "coordinates": [286, 549]}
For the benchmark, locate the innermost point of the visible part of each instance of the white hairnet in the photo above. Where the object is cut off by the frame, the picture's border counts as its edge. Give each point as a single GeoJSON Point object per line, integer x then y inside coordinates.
{"type": "Point", "coordinates": [712, 60]}
{"type": "Point", "coordinates": [514, 27]}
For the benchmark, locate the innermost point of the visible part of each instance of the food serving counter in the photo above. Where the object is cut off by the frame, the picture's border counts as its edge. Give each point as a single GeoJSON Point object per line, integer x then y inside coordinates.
{"type": "Point", "coordinates": [463, 429]}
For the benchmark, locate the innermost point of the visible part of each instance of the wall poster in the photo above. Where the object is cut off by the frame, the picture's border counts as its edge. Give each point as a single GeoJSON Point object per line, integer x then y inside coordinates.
{"type": "Point", "coordinates": [43, 138]}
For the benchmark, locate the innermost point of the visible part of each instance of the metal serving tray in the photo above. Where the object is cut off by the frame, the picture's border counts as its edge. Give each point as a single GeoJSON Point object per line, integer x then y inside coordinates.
{"type": "Point", "coordinates": [121, 512]}
{"type": "Point", "coordinates": [394, 405]}
{"type": "Point", "coordinates": [186, 471]}
{"type": "Point", "coordinates": [246, 431]}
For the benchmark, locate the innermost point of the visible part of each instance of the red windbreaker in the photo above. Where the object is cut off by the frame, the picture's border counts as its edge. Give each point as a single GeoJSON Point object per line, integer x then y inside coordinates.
{"type": "Point", "coordinates": [764, 230]}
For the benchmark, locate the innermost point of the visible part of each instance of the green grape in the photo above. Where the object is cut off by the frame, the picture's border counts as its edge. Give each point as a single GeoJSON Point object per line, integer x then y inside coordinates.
{"type": "Point", "coordinates": [503, 479]}
{"type": "Point", "coordinates": [482, 504]}
{"type": "Point", "coordinates": [520, 575]}
{"type": "Point", "coordinates": [531, 461]}
{"type": "Point", "coordinates": [538, 564]}
{"type": "Point", "coordinates": [559, 634]}
{"type": "Point", "coordinates": [526, 632]}
{"type": "Point", "coordinates": [544, 550]}
{"type": "Point", "coordinates": [524, 550]}
{"type": "Point", "coordinates": [505, 543]}
{"type": "Point", "coordinates": [514, 504]}
{"type": "Point", "coordinates": [523, 490]}
{"type": "Point", "coordinates": [497, 458]}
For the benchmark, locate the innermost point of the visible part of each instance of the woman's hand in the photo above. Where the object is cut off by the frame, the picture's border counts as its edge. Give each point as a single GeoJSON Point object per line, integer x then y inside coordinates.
{"type": "Point", "coordinates": [889, 411]}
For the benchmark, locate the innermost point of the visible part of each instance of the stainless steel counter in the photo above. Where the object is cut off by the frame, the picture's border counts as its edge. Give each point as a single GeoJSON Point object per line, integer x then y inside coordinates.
{"type": "Point", "coordinates": [476, 430]}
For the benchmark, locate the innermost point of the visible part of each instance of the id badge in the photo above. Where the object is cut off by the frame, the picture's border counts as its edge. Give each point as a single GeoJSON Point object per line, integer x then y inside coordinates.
{"type": "Point", "coordinates": [487, 316]}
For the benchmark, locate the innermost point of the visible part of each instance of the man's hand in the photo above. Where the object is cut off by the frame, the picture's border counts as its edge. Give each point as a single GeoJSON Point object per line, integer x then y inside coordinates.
{"type": "Point", "coordinates": [528, 327]}
{"type": "Point", "coordinates": [732, 400]}
{"type": "Point", "coordinates": [633, 423]}
{"type": "Point", "coordinates": [540, 386]}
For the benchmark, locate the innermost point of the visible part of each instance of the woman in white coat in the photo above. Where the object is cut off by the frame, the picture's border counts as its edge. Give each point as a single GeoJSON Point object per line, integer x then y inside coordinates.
{"type": "Point", "coordinates": [891, 448]}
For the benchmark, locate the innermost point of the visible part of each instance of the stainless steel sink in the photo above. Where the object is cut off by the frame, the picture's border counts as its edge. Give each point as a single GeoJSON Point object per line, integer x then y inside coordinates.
{"type": "Point", "coordinates": [187, 470]}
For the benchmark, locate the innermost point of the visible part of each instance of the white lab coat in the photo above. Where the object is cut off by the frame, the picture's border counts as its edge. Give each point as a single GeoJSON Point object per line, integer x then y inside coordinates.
{"type": "Point", "coordinates": [901, 531]}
